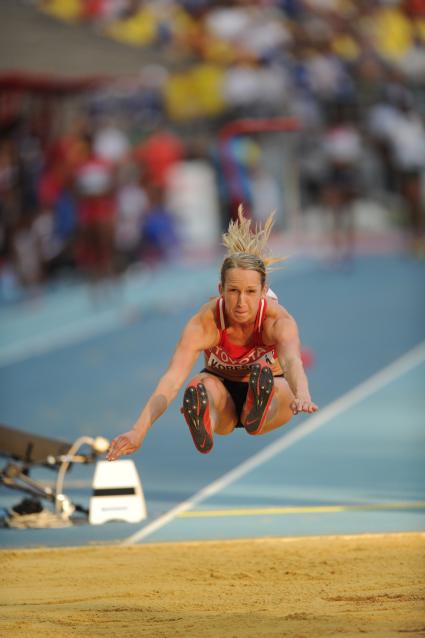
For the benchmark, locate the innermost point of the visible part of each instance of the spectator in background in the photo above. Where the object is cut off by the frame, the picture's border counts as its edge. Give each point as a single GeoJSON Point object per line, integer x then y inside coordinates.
{"type": "Point", "coordinates": [266, 195]}
{"type": "Point", "coordinates": [111, 144]}
{"type": "Point", "coordinates": [47, 243]}
{"type": "Point", "coordinates": [381, 119]}
{"type": "Point", "coordinates": [252, 88]}
{"type": "Point", "coordinates": [328, 76]}
{"type": "Point", "coordinates": [65, 227]}
{"type": "Point", "coordinates": [414, 8]}
{"type": "Point", "coordinates": [94, 183]}
{"type": "Point", "coordinates": [18, 207]}
{"type": "Point", "coordinates": [342, 150]}
{"type": "Point", "coordinates": [159, 233]}
{"type": "Point", "coordinates": [132, 203]}
{"type": "Point", "coordinates": [399, 134]}
{"type": "Point", "coordinates": [407, 142]}
{"type": "Point", "coordinates": [26, 254]}
{"type": "Point", "coordinates": [61, 159]}
{"type": "Point", "coordinates": [57, 219]}
{"type": "Point", "coordinates": [157, 155]}
{"type": "Point", "coordinates": [29, 163]}
{"type": "Point", "coordinates": [239, 157]}
{"type": "Point", "coordinates": [412, 65]}
{"type": "Point", "coordinates": [9, 200]}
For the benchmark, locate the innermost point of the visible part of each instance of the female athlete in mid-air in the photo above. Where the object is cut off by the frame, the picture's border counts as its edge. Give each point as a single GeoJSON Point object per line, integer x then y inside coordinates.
{"type": "Point", "coordinates": [253, 376]}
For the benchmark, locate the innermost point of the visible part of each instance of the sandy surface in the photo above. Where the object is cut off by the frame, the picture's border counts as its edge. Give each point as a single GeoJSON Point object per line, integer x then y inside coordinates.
{"type": "Point", "coordinates": [305, 587]}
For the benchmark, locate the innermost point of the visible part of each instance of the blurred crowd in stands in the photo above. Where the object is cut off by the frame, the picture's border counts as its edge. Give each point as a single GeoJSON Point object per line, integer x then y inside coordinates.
{"type": "Point", "coordinates": [94, 197]}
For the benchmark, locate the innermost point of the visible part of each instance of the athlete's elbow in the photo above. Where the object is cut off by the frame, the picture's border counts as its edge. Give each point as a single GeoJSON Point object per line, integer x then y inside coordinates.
{"type": "Point", "coordinates": [293, 362]}
{"type": "Point", "coordinates": [170, 387]}
{"type": "Point", "coordinates": [173, 393]}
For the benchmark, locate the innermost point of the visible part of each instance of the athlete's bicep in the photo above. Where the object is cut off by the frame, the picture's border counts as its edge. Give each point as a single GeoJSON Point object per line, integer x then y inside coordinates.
{"type": "Point", "coordinates": [192, 342]}
{"type": "Point", "coordinates": [183, 359]}
{"type": "Point", "coordinates": [287, 339]}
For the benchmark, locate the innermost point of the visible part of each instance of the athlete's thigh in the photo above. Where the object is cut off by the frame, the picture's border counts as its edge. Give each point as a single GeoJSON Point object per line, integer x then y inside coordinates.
{"type": "Point", "coordinates": [222, 405]}
{"type": "Point", "coordinates": [280, 411]}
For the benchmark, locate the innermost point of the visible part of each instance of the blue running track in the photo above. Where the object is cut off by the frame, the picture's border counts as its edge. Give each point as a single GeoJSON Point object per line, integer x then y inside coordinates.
{"type": "Point", "coordinates": [70, 366]}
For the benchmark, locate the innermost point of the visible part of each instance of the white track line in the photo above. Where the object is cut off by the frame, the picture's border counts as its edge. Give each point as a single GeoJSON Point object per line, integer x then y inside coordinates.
{"type": "Point", "coordinates": [377, 381]}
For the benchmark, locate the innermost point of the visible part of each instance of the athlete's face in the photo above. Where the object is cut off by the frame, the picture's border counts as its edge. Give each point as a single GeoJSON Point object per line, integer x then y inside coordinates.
{"type": "Point", "coordinates": [242, 292]}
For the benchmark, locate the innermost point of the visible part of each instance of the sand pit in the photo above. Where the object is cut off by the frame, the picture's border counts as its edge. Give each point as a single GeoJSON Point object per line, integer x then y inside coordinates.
{"type": "Point", "coordinates": [314, 587]}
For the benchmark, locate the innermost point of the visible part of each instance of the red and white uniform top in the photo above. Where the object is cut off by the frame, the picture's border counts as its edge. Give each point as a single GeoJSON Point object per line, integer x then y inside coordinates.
{"type": "Point", "coordinates": [233, 361]}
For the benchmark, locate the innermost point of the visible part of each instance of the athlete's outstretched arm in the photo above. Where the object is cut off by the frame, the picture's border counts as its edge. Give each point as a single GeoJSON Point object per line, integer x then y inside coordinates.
{"type": "Point", "coordinates": [192, 342]}
{"type": "Point", "coordinates": [289, 353]}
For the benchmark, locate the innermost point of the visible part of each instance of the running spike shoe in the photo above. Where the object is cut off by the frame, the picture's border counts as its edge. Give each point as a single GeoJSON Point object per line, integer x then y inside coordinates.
{"type": "Point", "coordinates": [196, 412]}
{"type": "Point", "coordinates": [258, 398]}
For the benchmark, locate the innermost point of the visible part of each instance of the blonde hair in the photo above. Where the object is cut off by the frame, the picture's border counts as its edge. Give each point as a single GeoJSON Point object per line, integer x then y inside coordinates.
{"type": "Point", "coordinates": [247, 248]}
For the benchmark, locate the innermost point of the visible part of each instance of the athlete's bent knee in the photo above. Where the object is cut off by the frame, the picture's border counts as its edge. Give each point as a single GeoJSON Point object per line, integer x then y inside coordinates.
{"type": "Point", "coordinates": [271, 425]}
{"type": "Point", "coordinates": [224, 432]}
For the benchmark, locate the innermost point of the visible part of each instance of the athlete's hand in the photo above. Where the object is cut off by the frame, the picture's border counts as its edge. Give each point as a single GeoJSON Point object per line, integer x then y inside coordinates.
{"type": "Point", "coordinates": [303, 404]}
{"type": "Point", "coordinates": [126, 443]}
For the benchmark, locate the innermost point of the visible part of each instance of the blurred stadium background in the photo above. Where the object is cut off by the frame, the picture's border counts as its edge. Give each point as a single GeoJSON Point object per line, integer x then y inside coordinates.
{"type": "Point", "coordinates": [131, 130]}
{"type": "Point", "coordinates": [123, 138]}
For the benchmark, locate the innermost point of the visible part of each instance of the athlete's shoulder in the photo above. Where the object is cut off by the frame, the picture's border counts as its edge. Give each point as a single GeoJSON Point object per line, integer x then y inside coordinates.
{"type": "Point", "coordinates": [275, 310]}
{"type": "Point", "coordinates": [200, 331]}
{"type": "Point", "coordinates": [207, 311]}
{"type": "Point", "coordinates": [203, 325]}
